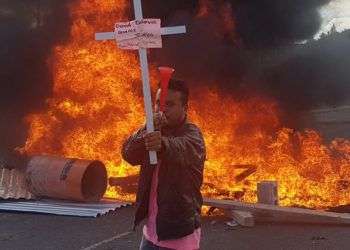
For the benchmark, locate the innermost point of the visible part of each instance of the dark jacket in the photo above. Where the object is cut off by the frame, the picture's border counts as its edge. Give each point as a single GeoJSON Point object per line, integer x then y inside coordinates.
{"type": "Point", "coordinates": [179, 180]}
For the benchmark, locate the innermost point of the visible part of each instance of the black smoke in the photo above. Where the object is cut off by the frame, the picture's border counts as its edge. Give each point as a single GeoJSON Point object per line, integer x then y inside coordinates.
{"type": "Point", "coordinates": [259, 23]}
{"type": "Point", "coordinates": [315, 75]}
{"type": "Point", "coordinates": [29, 30]}
{"type": "Point", "coordinates": [269, 23]}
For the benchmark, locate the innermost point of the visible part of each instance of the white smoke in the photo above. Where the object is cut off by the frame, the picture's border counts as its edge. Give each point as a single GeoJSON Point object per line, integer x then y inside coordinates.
{"type": "Point", "coordinates": [337, 14]}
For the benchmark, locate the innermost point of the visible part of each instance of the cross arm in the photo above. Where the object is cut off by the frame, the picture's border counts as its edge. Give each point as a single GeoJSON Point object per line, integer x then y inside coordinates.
{"type": "Point", "coordinates": [164, 31]}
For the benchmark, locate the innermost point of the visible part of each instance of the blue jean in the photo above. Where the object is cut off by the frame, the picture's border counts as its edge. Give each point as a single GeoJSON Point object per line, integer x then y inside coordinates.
{"type": "Point", "coordinates": [147, 245]}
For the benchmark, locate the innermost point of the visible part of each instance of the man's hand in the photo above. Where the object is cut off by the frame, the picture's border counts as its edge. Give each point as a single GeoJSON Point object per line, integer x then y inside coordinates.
{"type": "Point", "coordinates": [153, 141]}
{"type": "Point", "coordinates": [159, 120]}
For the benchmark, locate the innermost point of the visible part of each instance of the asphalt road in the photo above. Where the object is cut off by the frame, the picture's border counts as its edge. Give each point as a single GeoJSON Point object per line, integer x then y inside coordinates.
{"type": "Point", "coordinates": [36, 231]}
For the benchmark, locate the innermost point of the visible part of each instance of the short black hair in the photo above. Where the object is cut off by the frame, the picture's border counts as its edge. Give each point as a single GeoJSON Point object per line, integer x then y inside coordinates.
{"type": "Point", "coordinates": [181, 86]}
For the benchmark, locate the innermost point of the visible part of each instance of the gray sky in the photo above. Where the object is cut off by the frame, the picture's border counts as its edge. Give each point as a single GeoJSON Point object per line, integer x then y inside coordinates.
{"type": "Point", "coordinates": [336, 12]}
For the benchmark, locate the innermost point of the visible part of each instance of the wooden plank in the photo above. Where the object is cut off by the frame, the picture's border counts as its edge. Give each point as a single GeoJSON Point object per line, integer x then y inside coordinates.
{"type": "Point", "coordinates": [249, 170]}
{"type": "Point", "coordinates": [243, 218]}
{"type": "Point", "coordinates": [264, 212]}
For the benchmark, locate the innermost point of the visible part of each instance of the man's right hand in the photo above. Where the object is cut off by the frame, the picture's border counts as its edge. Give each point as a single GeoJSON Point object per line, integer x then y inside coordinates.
{"type": "Point", "coordinates": [153, 141]}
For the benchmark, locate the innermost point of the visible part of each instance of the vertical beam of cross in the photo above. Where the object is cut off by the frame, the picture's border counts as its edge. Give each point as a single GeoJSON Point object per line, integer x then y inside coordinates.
{"type": "Point", "coordinates": [145, 80]}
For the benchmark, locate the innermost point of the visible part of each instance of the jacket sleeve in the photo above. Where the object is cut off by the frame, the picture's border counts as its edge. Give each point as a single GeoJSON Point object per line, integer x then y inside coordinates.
{"type": "Point", "coordinates": [185, 150]}
{"type": "Point", "coordinates": [133, 150]}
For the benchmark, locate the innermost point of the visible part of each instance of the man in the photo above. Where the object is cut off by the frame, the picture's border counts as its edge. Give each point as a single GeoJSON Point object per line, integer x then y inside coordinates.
{"type": "Point", "coordinates": [169, 194]}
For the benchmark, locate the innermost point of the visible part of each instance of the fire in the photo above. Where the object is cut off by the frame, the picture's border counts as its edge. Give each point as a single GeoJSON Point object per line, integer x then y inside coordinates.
{"type": "Point", "coordinates": [97, 102]}
{"type": "Point", "coordinates": [203, 10]}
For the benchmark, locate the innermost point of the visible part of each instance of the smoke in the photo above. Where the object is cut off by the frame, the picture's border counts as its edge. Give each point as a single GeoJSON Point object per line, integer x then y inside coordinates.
{"type": "Point", "coordinates": [29, 30]}
{"type": "Point", "coordinates": [208, 52]}
{"type": "Point", "coordinates": [269, 23]}
{"type": "Point", "coordinates": [317, 75]}
{"type": "Point", "coordinates": [258, 23]}
{"type": "Point", "coordinates": [254, 46]}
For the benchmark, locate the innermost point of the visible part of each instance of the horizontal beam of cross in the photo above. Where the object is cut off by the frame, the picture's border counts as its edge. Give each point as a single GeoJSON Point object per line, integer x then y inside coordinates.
{"type": "Point", "coordinates": [164, 31]}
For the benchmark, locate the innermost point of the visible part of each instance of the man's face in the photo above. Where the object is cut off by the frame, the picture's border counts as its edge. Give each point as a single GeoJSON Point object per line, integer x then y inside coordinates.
{"type": "Point", "coordinates": [175, 110]}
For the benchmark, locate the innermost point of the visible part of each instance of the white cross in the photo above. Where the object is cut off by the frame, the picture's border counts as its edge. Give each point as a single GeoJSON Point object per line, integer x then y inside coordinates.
{"type": "Point", "coordinates": [144, 68]}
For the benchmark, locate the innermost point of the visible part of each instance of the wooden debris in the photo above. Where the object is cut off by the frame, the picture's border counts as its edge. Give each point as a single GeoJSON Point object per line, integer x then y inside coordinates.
{"type": "Point", "coordinates": [268, 192]}
{"type": "Point", "coordinates": [128, 184]}
{"type": "Point", "coordinates": [272, 213]}
{"type": "Point", "coordinates": [249, 170]}
{"type": "Point", "coordinates": [211, 210]}
{"type": "Point", "coordinates": [232, 224]}
{"type": "Point", "coordinates": [243, 218]}
{"type": "Point", "coordinates": [242, 166]}
{"type": "Point", "coordinates": [127, 180]}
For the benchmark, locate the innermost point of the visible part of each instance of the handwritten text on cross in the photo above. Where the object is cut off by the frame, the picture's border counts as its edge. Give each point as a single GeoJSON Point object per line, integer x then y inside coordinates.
{"type": "Point", "coordinates": [139, 34]}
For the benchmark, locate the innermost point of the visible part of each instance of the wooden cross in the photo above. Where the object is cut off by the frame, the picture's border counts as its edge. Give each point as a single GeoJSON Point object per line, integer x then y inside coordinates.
{"type": "Point", "coordinates": [144, 68]}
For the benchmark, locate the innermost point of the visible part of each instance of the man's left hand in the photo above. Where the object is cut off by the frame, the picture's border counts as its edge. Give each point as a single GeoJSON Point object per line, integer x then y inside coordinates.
{"type": "Point", "coordinates": [153, 141]}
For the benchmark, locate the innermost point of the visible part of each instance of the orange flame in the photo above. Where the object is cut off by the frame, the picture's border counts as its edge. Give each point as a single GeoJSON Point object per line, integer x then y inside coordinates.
{"type": "Point", "coordinates": [97, 103]}
{"type": "Point", "coordinates": [203, 10]}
